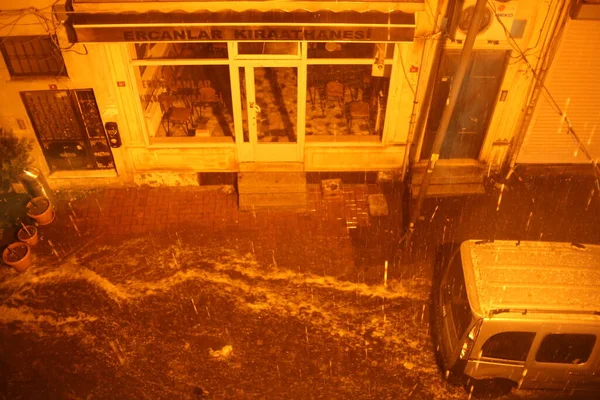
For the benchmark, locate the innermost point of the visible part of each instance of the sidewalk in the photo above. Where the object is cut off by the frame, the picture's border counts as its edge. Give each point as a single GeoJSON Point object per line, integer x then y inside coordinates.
{"type": "Point", "coordinates": [340, 227]}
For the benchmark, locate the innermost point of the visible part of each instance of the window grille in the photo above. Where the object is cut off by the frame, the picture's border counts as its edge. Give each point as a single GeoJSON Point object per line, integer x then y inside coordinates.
{"type": "Point", "coordinates": [32, 56]}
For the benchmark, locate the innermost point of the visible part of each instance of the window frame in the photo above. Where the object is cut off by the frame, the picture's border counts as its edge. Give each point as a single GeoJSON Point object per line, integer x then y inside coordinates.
{"type": "Point", "coordinates": [521, 359]}
{"type": "Point", "coordinates": [302, 61]}
{"type": "Point", "coordinates": [49, 41]}
{"type": "Point", "coordinates": [571, 362]}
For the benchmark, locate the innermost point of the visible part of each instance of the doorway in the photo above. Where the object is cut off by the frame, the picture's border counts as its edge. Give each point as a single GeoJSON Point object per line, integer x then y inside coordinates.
{"type": "Point", "coordinates": [69, 129]}
{"type": "Point", "coordinates": [474, 107]}
{"type": "Point", "coordinates": [269, 112]}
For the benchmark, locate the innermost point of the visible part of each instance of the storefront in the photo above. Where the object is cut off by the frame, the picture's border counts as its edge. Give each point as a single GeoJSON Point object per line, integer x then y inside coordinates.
{"type": "Point", "coordinates": [211, 90]}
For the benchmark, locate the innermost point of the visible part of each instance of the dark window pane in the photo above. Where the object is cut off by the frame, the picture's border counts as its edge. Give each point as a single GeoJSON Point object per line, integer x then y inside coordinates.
{"type": "Point", "coordinates": [566, 348]}
{"type": "Point", "coordinates": [508, 346]}
{"type": "Point", "coordinates": [350, 50]}
{"type": "Point", "coordinates": [282, 48]}
{"type": "Point", "coordinates": [148, 51]}
{"type": "Point", "coordinates": [32, 56]}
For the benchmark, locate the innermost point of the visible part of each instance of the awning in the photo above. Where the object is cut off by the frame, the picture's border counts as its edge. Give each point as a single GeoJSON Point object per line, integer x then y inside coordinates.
{"type": "Point", "coordinates": [101, 25]}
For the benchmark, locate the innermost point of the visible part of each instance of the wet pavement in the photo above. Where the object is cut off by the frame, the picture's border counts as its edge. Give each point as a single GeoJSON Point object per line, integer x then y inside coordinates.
{"type": "Point", "coordinates": [172, 293]}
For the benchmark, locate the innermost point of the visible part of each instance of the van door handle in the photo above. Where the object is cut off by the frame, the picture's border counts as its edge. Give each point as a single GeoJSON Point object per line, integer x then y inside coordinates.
{"type": "Point", "coordinates": [577, 373]}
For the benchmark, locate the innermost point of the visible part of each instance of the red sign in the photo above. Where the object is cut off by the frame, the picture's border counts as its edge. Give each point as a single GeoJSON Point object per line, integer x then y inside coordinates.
{"type": "Point", "coordinates": [120, 83]}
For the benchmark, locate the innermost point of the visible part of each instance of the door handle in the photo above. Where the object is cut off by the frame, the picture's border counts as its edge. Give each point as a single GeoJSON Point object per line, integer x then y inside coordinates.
{"type": "Point", "coordinates": [255, 106]}
{"type": "Point", "coordinates": [577, 373]}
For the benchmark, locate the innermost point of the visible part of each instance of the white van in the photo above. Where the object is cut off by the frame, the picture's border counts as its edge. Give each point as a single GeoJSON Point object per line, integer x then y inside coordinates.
{"type": "Point", "coordinates": [512, 314]}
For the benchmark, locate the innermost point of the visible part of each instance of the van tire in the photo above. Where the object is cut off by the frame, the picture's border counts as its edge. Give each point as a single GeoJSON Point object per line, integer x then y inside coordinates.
{"type": "Point", "coordinates": [455, 379]}
{"type": "Point", "coordinates": [489, 388]}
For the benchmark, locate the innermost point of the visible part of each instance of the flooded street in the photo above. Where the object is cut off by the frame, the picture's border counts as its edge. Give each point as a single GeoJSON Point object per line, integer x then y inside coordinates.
{"type": "Point", "coordinates": [204, 317]}
{"type": "Point", "coordinates": [234, 305]}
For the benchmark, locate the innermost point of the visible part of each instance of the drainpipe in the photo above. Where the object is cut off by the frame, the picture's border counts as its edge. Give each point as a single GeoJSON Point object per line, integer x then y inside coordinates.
{"type": "Point", "coordinates": [463, 65]}
{"type": "Point", "coordinates": [413, 116]}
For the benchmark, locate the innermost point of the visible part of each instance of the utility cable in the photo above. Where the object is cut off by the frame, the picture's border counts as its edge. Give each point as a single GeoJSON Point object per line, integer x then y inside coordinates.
{"type": "Point", "coordinates": [553, 101]}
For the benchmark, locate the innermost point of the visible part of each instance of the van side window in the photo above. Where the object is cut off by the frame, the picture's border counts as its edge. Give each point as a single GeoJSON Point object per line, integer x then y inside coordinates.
{"type": "Point", "coordinates": [508, 346]}
{"type": "Point", "coordinates": [566, 348]}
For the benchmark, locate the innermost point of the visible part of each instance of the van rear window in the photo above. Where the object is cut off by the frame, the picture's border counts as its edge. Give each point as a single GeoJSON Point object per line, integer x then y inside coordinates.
{"type": "Point", "coordinates": [459, 303]}
{"type": "Point", "coordinates": [566, 348]}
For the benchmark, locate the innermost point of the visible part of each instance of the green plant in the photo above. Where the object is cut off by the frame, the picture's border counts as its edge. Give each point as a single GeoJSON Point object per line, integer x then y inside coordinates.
{"type": "Point", "coordinates": [14, 156]}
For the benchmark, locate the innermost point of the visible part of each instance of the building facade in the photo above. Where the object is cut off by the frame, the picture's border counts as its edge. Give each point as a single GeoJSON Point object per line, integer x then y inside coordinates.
{"type": "Point", "coordinates": [154, 92]}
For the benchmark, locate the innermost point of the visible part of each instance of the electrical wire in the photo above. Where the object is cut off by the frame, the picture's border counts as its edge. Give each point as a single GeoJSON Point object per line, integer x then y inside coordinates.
{"type": "Point", "coordinates": [546, 91]}
{"type": "Point", "coordinates": [404, 71]}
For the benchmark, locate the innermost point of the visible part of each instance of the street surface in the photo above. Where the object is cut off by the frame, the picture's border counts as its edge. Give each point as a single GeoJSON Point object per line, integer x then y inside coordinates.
{"type": "Point", "coordinates": [282, 305]}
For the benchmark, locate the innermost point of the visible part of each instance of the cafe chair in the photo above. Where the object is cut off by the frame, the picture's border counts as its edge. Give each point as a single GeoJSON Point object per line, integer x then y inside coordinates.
{"type": "Point", "coordinates": [207, 97]}
{"type": "Point", "coordinates": [359, 111]}
{"type": "Point", "coordinates": [174, 115]}
{"type": "Point", "coordinates": [333, 90]}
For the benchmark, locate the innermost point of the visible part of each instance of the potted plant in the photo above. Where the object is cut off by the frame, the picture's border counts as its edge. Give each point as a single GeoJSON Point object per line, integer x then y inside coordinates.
{"type": "Point", "coordinates": [17, 255]}
{"type": "Point", "coordinates": [28, 234]}
{"type": "Point", "coordinates": [15, 153]}
{"type": "Point", "coordinates": [40, 209]}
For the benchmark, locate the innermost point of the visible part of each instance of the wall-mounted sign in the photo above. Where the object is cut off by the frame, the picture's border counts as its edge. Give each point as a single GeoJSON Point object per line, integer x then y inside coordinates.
{"type": "Point", "coordinates": [220, 33]}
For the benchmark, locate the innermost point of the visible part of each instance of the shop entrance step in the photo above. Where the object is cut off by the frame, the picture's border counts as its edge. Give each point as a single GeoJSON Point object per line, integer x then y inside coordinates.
{"type": "Point", "coordinates": [450, 179]}
{"type": "Point", "coordinates": [260, 190]}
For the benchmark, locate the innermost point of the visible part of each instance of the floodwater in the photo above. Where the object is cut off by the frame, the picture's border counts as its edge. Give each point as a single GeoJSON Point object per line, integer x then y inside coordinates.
{"type": "Point", "coordinates": [241, 314]}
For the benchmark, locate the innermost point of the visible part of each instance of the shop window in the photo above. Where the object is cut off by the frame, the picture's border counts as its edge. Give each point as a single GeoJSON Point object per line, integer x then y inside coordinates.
{"type": "Point", "coordinates": [350, 50]}
{"type": "Point", "coordinates": [273, 48]}
{"type": "Point", "coordinates": [32, 56]}
{"type": "Point", "coordinates": [566, 348]}
{"type": "Point", "coordinates": [187, 101]}
{"type": "Point", "coordinates": [512, 346]}
{"type": "Point", "coordinates": [148, 51]}
{"type": "Point", "coordinates": [346, 100]}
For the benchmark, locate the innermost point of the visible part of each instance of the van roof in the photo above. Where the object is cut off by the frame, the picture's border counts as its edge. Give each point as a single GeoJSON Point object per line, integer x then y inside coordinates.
{"type": "Point", "coordinates": [504, 276]}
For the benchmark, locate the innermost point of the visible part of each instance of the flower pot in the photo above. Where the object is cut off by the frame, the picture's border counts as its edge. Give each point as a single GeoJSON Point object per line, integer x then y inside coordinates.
{"type": "Point", "coordinates": [17, 255]}
{"type": "Point", "coordinates": [30, 236]}
{"type": "Point", "coordinates": [40, 209]}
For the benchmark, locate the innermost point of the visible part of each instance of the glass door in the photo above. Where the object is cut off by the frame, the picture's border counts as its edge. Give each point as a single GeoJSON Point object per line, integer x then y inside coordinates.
{"type": "Point", "coordinates": [269, 105]}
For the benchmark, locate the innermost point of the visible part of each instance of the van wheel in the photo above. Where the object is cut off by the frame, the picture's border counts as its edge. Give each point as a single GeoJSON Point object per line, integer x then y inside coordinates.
{"type": "Point", "coordinates": [455, 379]}
{"type": "Point", "coordinates": [489, 388]}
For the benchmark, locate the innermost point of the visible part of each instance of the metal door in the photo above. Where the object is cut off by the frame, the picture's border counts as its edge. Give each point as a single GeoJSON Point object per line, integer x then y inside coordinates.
{"type": "Point", "coordinates": [69, 129]}
{"type": "Point", "coordinates": [474, 107]}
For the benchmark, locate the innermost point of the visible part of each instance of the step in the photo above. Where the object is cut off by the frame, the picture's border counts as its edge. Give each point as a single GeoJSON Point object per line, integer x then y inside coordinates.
{"type": "Point", "coordinates": [271, 182]}
{"type": "Point", "coordinates": [271, 166]}
{"type": "Point", "coordinates": [450, 174]}
{"type": "Point", "coordinates": [446, 190]}
{"type": "Point", "coordinates": [258, 201]}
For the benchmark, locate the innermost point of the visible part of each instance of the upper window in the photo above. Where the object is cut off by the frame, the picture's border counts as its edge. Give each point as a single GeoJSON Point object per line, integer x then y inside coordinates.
{"type": "Point", "coordinates": [566, 348]}
{"type": "Point", "coordinates": [508, 346]}
{"type": "Point", "coordinates": [32, 56]}
{"type": "Point", "coordinates": [275, 48]}
{"type": "Point", "coordinates": [350, 50]}
{"type": "Point", "coordinates": [145, 51]}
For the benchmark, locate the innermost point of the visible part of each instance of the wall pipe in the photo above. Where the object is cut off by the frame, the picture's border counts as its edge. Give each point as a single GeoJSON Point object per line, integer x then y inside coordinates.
{"type": "Point", "coordinates": [463, 65]}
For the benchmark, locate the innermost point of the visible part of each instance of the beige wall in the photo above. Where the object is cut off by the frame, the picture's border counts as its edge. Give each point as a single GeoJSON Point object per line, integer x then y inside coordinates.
{"type": "Point", "coordinates": [106, 64]}
{"type": "Point", "coordinates": [517, 81]}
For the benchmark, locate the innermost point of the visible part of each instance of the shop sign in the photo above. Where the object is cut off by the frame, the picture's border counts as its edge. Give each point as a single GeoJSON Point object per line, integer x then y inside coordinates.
{"type": "Point", "coordinates": [220, 33]}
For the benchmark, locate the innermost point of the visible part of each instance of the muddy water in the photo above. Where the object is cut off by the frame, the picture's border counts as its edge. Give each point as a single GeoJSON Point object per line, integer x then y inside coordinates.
{"type": "Point", "coordinates": [135, 319]}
